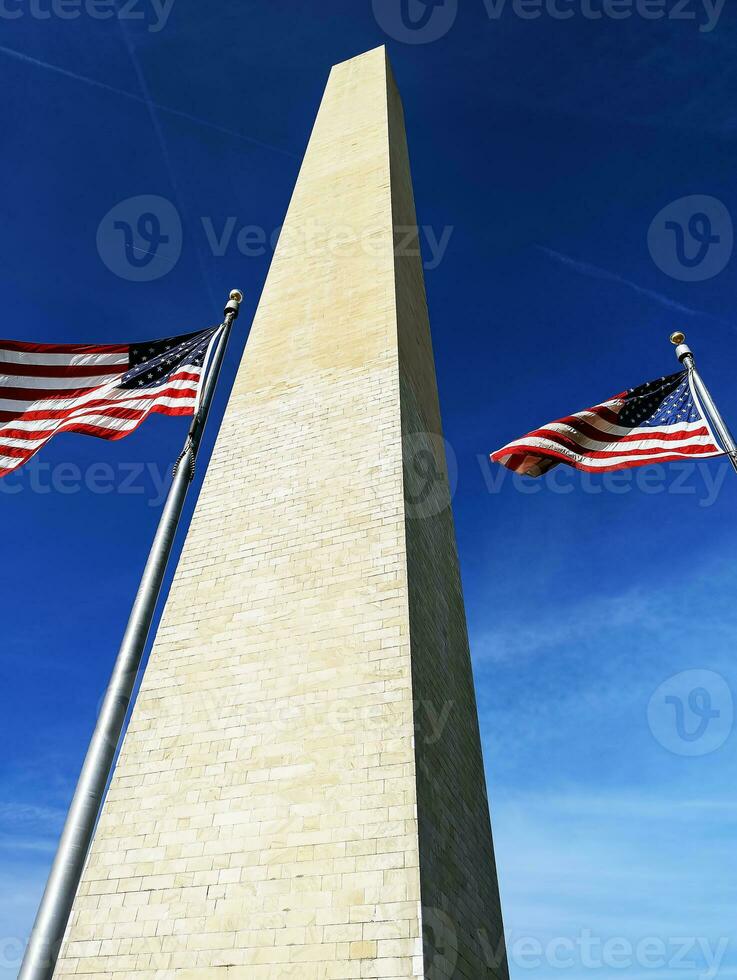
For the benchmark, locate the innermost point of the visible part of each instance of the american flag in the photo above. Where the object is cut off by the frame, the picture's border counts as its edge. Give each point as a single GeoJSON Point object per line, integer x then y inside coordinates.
{"type": "Point", "coordinates": [99, 390]}
{"type": "Point", "coordinates": [657, 422]}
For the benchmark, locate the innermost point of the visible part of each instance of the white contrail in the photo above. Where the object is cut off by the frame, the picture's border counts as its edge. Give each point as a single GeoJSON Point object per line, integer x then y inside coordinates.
{"type": "Point", "coordinates": [28, 59]}
{"type": "Point", "coordinates": [595, 272]}
{"type": "Point", "coordinates": [163, 145]}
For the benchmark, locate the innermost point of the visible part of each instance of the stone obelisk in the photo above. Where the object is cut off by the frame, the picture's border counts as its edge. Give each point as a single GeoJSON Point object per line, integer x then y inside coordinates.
{"type": "Point", "coordinates": [301, 790]}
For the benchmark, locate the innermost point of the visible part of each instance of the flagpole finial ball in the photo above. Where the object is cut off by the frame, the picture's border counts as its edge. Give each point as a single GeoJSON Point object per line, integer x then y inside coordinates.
{"type": "Point", "coordinates": [677, 338]}
{"type": "Point", "coordinates": [236, 295]}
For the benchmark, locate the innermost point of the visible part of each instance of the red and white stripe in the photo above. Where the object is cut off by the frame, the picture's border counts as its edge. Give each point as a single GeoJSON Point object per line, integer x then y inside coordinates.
{"type": "Point", "coordinates": [592, 440]}
{"type": "Point", "coordinates": [50, 388]}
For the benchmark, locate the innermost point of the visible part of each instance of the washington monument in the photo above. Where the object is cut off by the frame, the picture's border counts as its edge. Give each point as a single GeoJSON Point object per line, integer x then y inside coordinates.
{"type": "Point", "coordinates": [300, 793]}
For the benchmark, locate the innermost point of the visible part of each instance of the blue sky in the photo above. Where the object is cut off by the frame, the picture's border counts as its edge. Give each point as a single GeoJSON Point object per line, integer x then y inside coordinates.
{"type": "Point", "coordinates": [543, 150]}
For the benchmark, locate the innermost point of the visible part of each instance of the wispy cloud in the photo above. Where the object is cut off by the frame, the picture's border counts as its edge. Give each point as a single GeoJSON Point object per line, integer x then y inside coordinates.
{"type": "Point", "coordinates": [581, 624]}
{"type": "Point", "coordinates": [583, 620]}
{"type": "Point", "coordinates": [27, 845]}
{"type": "Point", "coordinates": [601, 862]}
{"type": "Point", "coordinates": [25, 827]}
{"type": "Point", "coordinates": [599, 829]}
{"type": "Point", "coordinates": [141, 99]}
{"type": "Point", "coordinates": [20, 891]}
{"type": "Point", "coordinates": [595, 272]}
{"type": "Point", "coordinates": [28, 814]}
{"type": "Point", "coordinates": [578, 679]}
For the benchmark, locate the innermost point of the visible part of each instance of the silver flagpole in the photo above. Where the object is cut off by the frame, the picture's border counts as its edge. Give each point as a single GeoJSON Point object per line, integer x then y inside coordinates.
{"type": "Point", "coordinates": [685, 356]}
{"type": "Point", "coordinates": [56, 905]}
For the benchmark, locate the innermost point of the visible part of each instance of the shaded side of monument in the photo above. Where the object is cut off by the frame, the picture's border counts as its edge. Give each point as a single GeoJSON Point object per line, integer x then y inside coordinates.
{"type": "Point", "coordinates": [301, 790]}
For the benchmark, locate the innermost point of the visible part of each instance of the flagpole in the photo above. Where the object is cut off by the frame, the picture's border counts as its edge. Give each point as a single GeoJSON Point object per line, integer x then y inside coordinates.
{"type": "Point", "coordinates": [685, 356]}
{"type": "Point", "coordinates": [56, 905]}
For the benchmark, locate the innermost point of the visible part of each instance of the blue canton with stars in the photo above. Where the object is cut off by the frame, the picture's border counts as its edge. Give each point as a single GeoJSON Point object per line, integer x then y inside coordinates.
{"type": "Point", "coordinates": [666, 401]}
{"type": "Point", "coordinates": [152, 364]}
